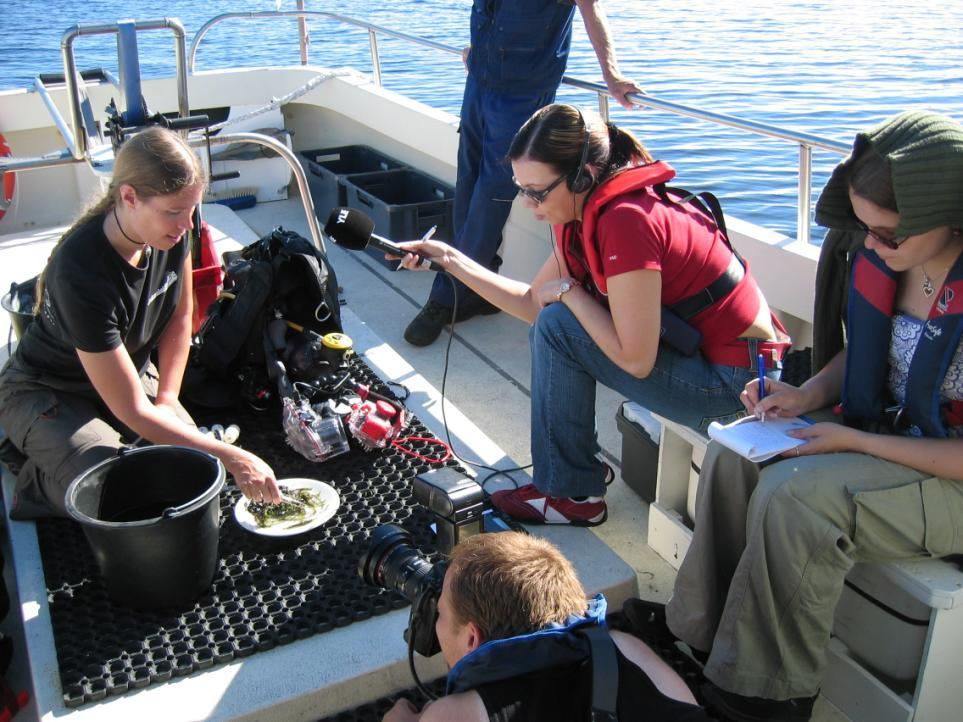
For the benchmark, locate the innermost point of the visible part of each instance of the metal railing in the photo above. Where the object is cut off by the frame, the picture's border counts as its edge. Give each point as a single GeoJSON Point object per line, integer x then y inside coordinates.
{"type": "Point", "coordinates": [805, 141]}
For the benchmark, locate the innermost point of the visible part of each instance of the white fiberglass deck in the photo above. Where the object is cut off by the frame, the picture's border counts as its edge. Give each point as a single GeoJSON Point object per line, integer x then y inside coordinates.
{"type": "Point", "coordinates": [309, 678]}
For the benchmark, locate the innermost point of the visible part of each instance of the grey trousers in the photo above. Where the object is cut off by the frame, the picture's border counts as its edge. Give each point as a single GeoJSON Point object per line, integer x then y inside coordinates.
{"type": "Point", "coordinates": [772, 546]}
{"type": "Point", "coordinates": [62, 434]}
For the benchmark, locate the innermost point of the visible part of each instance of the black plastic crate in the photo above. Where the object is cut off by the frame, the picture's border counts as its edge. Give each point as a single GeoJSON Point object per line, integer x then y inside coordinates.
{"type": "Point", "coordinates": [640, 457]}
{"type": "Point", "coordinates": [403, 204]}
{"type": "Point", "coordinates": [327, 167]}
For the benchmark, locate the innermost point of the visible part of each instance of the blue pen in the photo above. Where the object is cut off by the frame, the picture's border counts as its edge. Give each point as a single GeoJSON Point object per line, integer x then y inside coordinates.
{"type": "Point", "coordinates": [761, 363]}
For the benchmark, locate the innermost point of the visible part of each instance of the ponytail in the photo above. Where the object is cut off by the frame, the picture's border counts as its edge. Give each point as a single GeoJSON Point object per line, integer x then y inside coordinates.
{"type": "Point", "coordinates": [99, 207]}
{"type": "Point", "coordinates": [625, 150]}
{"type": "Point", "coordinates": [555, 135]}
{"type": "Point", "coordinates": [155, 162]}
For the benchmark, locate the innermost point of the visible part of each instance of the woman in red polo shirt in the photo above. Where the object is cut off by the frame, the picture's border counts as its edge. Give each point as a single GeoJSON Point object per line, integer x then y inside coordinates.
{"type": "Point", "coordinates": [625, 249]}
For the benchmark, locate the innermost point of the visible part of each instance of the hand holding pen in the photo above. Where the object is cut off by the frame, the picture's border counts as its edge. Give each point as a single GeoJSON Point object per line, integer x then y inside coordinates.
{"type": "Point", "coordinates": [426, 262]}
{"type": "Point", "coordinates": [764, 397]}
{"type": "Point", "coordinates": [761, 366]}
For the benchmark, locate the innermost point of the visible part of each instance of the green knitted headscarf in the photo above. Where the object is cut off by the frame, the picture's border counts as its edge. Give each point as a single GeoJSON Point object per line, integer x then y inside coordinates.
{"type": "Point", "coordinates": [925, 151]}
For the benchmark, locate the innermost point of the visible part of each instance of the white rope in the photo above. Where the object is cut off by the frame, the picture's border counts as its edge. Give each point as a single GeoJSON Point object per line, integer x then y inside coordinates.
{"type": "Point", "coordinates": [293, 95]}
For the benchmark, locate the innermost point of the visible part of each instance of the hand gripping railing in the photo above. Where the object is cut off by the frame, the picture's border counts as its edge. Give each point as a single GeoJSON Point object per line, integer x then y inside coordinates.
{"type": "Point", "coordinates": [805, 141]}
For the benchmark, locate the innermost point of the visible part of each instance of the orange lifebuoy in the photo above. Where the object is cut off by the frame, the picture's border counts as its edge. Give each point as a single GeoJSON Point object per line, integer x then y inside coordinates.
{"type": "Point", "coordinates": [9, 180]}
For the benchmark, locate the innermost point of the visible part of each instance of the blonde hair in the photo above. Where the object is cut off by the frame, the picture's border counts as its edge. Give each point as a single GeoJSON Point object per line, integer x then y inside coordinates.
{"type": "Point", "coordinates": [511, 583]}
{"type": "Point", "coordinates": [154, 162]}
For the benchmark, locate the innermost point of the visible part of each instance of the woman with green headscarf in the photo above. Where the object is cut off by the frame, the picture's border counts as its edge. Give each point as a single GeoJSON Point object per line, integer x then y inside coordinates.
{"type": "Point", "coordinates": [880, 476]}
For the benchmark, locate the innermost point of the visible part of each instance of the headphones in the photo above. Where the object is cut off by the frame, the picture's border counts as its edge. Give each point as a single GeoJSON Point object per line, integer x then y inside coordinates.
{"type": "Point", "coordinates": [582, 181]}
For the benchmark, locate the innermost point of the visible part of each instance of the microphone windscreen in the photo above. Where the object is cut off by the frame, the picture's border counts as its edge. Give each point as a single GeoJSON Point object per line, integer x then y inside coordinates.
{"type": "Point", "coordinates": [350, 228]}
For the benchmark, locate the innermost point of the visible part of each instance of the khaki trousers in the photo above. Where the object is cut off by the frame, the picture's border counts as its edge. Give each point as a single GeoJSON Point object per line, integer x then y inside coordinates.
{"type": "Point", "coordinates": [772, 546]}
{"type": "Point", "coordinates": [62, 434]}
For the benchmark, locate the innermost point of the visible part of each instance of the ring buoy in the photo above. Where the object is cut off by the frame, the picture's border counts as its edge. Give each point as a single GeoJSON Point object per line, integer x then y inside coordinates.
{"type": "Point", "coordinates": [9, 180]}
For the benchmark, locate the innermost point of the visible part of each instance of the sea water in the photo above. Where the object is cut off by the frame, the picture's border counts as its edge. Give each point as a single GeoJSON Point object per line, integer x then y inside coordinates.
{"type": "Point", "coordinates": [826, 67]}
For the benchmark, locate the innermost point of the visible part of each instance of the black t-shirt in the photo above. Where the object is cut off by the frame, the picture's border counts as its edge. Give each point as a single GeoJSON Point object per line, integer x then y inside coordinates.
{"type": "Point", "coordinates": [563, 694]}
{"type": "Point", "coordinates": [95, 301]}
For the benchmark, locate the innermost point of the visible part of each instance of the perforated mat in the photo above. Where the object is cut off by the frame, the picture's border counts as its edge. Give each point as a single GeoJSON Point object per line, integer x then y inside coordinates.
{"type": "Point", "coordinates": [266, 592]}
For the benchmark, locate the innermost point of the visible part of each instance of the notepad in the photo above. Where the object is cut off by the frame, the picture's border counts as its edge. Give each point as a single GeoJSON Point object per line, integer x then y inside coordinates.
{"type": "Point", "coordinates": [758, 441]}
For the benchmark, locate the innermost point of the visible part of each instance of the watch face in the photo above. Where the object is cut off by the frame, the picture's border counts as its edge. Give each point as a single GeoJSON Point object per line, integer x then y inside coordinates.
{"type": "Point", "coordinates": [565, 287]}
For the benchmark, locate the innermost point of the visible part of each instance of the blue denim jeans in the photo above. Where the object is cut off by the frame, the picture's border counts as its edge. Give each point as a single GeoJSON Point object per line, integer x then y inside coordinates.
{"type": "Point", "coordinates": [567, 364]}
{"type": "Point", "coordinates": [483, 189]}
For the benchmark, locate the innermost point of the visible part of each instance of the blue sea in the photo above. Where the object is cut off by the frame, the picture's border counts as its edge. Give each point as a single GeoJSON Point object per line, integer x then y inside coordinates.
{"type": "Point", "coordinates": [827, 67]}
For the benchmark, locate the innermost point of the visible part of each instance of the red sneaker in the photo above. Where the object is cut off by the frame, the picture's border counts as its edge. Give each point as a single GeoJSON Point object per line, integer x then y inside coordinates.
{"type": "Point", "coordinates": [527, 503]}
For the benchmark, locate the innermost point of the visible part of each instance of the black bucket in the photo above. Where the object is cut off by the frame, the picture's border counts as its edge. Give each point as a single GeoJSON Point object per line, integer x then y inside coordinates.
{"type": "Point", "coordinates": [151, 516]}
{"type": "Point", "coordinates": [19, 302]}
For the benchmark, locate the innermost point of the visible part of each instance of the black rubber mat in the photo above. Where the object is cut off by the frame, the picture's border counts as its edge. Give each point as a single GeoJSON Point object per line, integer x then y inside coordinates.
{"type": "Point", "coordinates": [266, 592]}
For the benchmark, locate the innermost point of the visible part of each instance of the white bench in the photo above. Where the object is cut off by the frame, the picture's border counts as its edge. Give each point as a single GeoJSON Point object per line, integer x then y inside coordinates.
{"type": "Point", "coordinates": [915, 635]}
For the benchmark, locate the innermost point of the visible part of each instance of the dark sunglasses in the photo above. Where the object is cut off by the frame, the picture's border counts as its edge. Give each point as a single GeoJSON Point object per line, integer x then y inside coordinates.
{"type": "Point", "coordinates": [539, 196]}
{"type": "Point", "coordinates": [891, 243]}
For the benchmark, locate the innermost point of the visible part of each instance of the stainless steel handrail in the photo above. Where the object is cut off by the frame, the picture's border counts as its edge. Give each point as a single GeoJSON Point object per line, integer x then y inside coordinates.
{"type": "Point", "coordinates": [805, 141]}
{"type": "Point", "coordinates": [78, 144]}
{"type": "Point", "coordinates": [289, 157]}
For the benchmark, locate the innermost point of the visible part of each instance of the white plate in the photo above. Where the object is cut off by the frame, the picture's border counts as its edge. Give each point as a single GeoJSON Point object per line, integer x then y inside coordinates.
{"type": "Point", "coordinates": [326, 493]}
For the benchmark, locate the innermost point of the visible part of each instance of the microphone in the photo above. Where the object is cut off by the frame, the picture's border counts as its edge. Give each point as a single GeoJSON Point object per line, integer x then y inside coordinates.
{"type": "Point", "coordinates": [352, 229]}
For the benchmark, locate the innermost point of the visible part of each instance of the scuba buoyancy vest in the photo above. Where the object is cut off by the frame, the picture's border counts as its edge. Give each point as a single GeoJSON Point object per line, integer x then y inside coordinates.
{"type": "Point", "coordinates": [281, 275]}
{"type": "Point", "coordinates": [872, 298]}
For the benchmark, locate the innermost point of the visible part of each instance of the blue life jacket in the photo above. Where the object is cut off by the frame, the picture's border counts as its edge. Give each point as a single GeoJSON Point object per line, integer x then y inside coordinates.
{"type": "Point", "coordinates": [871, 304]}
{"type": "Point", "coordinates": [501, 659]}
{"type": "Point", "coordinates": [520, 46]}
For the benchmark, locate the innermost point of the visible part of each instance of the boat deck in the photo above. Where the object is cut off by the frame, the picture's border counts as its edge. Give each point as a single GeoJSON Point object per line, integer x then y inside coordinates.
{"type": "Point", "coordinates": [487, 389]}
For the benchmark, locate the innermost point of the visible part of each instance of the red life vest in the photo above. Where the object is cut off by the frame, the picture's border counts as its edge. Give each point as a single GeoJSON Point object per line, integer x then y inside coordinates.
{"type": "Point", "coordinates": [628, 180]}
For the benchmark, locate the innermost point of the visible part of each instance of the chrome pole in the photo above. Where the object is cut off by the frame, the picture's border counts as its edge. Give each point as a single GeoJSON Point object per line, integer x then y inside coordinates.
{"type": "Point", "coordinates": [604, 106]}
{"type": "Point", "coordinates": [58, 119]}
{"type": "Point", "coordinates": [303, 34]}
{"type": "Point", "coordinates": [78, 148]}
{"type": "Point", "coordinates": [804, 201]}
{"type": "Point", "coordinates": [291, 159]}
{"type": "Point", "coordinates": [375, 60]}
{"type": "Point", "coordinates": [180, 54]}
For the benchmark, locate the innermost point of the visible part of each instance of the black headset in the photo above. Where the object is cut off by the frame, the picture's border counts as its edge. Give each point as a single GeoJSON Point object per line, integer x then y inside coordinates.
{"type": "Point", "coordinates": [581, 181]}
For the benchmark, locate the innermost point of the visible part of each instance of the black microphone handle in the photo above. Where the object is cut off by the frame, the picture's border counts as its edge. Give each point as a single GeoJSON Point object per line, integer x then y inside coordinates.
{"type": "Point", "coordinates": [390, 247]}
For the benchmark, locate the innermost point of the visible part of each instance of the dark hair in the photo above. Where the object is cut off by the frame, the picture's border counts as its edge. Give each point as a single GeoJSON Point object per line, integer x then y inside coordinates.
{"type": "Point", "coordinates": [512, 583]}
{"type": "Point", "coordinates": [870, 176]}
{"type": "Point", "coordinates": [555, 135]}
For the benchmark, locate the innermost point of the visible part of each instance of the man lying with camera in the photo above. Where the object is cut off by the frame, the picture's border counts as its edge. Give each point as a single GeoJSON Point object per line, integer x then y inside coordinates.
{"type": "Point", "coordinates": [522, 644]}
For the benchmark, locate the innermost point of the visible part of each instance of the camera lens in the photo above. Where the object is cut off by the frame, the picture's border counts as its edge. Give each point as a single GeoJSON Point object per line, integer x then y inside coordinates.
{"type": "Point", "coordinates": [394, 563]}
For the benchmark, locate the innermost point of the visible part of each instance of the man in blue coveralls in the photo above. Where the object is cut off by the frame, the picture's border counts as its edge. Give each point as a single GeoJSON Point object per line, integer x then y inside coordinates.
{"type": "Point", "coordinates": [517, 56]}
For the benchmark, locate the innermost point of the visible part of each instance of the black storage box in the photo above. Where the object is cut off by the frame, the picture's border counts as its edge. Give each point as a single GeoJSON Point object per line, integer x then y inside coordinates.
{"type": "Point", "coordinates": [326, 169]}
{"type": "Point", "coordinates": [640, 457]}
{"type": "Point", "coordinates": [403, 204]}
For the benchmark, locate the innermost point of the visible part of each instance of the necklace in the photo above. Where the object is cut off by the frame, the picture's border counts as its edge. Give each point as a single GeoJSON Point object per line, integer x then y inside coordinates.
{"type": "Point", "coordinates": [143, 243]}
{"type": "Point", "coordinates": [927, 284]}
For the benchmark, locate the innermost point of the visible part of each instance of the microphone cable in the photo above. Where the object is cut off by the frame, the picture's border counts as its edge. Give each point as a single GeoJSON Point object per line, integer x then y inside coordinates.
{"type": "Point", "coordinates": [493, 472]}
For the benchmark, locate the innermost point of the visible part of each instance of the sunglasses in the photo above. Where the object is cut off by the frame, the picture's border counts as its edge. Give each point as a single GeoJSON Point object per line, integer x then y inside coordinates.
{"type": "Point", "coordinates": [892, 242]}
{"type": "Point", "coordinates": [539, 196]}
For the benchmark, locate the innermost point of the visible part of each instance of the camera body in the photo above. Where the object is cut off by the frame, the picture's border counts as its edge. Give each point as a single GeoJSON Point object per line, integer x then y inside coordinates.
{"type": "Point", "coordinates": [457, 501]}
{"type": "Point", "coordinates": [393, 562]}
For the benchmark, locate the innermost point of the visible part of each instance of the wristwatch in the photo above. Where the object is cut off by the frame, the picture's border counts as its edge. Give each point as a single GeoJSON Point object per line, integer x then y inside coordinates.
{"type": "Point", "coordinates": [564, 288]}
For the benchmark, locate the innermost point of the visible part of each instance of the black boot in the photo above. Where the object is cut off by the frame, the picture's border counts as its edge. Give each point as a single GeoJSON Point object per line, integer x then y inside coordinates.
{"type": "Point", "coordinates": [433, 317]}
{"type": "Point", "coordinates": [756, 709]}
